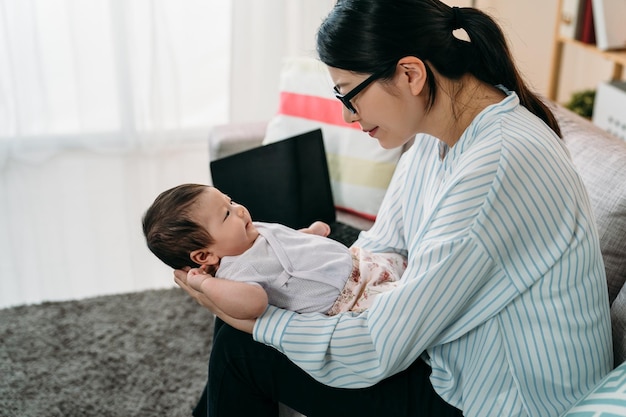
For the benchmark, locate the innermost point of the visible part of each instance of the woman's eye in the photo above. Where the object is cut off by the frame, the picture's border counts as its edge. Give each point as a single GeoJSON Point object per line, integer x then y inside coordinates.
{"type": "Point", "coordinates": [227, 214]}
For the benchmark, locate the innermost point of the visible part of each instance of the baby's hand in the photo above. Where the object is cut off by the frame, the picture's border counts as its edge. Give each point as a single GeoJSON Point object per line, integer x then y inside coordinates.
{"type": "Point", "coordinates": [195, 278]}
{"type": "Point", "coordinates": [319, 228]}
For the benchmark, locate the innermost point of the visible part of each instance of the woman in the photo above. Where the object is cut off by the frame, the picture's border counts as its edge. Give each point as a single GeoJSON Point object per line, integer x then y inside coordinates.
{"type": "Point", "coordinates": [503, 308]}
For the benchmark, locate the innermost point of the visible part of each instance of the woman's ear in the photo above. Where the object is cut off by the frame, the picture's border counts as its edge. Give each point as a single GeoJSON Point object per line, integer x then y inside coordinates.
{"type": "Point", "coordinates": [204, 257]}
{"type": "Point", "coordinates": [413, 74]}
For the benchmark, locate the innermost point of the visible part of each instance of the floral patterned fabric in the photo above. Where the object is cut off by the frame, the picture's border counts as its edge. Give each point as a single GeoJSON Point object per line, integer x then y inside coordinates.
{"type": "Point", "coordinates": [373, 273]}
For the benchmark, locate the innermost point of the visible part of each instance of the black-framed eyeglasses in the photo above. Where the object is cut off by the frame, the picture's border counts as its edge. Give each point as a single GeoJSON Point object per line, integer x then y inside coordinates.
{"type": "Point", "coordinates": [345, 98]}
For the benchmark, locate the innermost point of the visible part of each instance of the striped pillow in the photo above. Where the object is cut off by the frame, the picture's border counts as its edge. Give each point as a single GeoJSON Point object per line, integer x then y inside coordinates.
{"type": "Point", "coordinates": [360, 169]}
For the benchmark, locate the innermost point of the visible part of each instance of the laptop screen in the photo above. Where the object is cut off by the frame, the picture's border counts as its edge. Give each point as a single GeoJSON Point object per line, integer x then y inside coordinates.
{"type": "Point", "coordinates": [284, 182]}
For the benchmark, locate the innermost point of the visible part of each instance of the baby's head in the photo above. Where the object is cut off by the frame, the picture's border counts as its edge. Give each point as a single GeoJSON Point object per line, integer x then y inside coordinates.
{"type": "Point", "coordinates": [171, 233]}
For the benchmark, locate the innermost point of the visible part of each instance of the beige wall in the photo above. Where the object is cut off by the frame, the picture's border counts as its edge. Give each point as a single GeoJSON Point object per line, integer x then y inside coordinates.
{"type": "Point", "coordinates": [529, 27]}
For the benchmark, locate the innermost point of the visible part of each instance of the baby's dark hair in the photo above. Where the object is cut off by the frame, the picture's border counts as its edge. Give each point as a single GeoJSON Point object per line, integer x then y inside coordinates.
{"type": "Point", "coordinates": [170, 233]}
{"type": "Point", "coordinates": [369, 36]}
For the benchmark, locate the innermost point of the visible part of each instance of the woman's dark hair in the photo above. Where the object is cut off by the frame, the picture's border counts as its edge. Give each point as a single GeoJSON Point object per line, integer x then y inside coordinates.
{"type": "Point", "coordinates": [367, 36]}
{"type": "Point", "coordinates": [170, 233]}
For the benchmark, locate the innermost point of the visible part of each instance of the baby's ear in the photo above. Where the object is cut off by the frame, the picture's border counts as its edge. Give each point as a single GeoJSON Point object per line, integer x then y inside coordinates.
{"type": "Point", "coordinates": [204, 257]}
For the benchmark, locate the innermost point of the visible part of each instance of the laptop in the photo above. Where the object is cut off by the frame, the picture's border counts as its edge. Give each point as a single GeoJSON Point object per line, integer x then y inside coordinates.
{"type": "Point", "coordinates": [284, 182]}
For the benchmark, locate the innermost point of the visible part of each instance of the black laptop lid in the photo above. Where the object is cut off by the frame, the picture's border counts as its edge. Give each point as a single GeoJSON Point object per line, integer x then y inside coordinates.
{"type": "Point", "coordinates": [284, 182]}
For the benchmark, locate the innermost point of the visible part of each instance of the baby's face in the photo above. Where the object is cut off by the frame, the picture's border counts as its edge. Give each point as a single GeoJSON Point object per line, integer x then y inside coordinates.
{"type": "Point", "coordinates": [227, 222]}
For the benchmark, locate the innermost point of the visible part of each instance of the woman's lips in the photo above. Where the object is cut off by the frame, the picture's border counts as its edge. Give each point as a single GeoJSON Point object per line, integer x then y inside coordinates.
{"type": "Point", "coordinates": [372, 132]}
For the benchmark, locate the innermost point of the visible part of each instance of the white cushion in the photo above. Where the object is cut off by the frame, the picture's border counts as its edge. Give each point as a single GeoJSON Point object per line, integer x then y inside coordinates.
{"type": "Point", "coordinates": [360, 169]}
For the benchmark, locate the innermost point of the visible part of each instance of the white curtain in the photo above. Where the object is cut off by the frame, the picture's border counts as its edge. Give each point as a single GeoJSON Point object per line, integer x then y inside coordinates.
{"type": "Point", "coordinates": [264, 33]}
{"type": "Point", "coordinates": [106, 103]}
{"type": "Point", "coordinates": [103, 104]}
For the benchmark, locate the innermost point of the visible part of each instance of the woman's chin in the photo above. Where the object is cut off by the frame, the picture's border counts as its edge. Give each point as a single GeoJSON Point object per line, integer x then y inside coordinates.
{"type": "Point", "coordinates": [390, 144]}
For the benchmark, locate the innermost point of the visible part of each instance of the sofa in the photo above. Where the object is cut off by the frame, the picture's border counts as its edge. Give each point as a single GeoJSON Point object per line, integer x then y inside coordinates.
{"type": "Point", "coordinates": [601, 161]}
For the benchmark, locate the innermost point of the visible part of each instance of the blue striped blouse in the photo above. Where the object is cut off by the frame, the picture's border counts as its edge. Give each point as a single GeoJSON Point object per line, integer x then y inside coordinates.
{"type": "Point", "coordinates": [505, 293]}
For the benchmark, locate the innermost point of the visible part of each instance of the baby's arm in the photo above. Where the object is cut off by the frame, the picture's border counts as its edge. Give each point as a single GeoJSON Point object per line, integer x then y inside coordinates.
{"type": "Point", "coordinates": [239, 300]}
{"type": "Point", "coordinates": [317, 228]}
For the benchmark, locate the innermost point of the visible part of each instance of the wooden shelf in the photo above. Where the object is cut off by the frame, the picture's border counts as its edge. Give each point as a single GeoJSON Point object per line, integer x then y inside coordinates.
{"type": "Point", "coordinates": [617, 57]}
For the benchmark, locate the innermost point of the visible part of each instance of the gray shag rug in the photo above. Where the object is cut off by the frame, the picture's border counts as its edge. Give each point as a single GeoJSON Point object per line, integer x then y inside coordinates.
{"type": "Point", "coordinates": [138, 354]}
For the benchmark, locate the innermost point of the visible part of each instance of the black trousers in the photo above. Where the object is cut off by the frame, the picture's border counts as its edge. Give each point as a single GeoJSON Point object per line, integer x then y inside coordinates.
{"type": "Point", "coordinates": [247, 378]}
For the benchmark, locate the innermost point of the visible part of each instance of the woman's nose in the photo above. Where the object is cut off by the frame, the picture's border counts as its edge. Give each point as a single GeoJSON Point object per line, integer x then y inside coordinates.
{"type": "Point", "coordinates": [348, 116]}
{"type": "Point", "coordinates": [240, 211]}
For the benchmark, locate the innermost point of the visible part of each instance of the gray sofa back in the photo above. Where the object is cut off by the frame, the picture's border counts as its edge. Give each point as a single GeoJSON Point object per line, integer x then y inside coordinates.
{"type": "Point", "coordinates": [601, 161]}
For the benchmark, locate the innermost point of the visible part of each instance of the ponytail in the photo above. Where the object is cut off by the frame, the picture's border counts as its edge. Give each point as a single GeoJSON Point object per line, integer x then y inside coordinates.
{"type": "Point", "coordinates": [494, 63]}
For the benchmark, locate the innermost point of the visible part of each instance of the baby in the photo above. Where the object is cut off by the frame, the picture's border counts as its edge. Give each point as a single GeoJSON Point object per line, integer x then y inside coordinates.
{"type": "Point", "coordinates": [251, 264]}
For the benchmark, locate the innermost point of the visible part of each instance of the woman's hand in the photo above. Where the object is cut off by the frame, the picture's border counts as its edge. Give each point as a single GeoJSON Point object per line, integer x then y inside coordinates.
{"type": "Point", "coordinates": [194, 282]}
{"type": "Point", "coordinates": [181, 277]}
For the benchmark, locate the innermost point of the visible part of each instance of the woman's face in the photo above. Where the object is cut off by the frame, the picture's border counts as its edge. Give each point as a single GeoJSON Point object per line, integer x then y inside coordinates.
{"type": "Point", "coordinates": [388, 111]}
